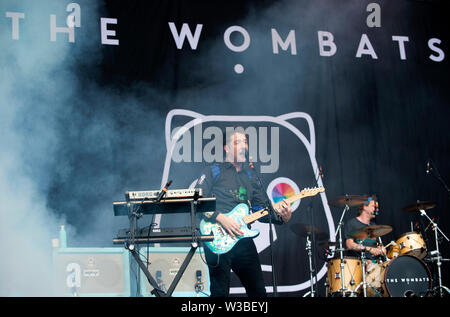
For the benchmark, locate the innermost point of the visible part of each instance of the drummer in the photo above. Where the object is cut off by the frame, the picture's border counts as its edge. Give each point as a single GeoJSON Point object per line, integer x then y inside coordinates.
{"type": "Point", "coordinates": [366, 214]}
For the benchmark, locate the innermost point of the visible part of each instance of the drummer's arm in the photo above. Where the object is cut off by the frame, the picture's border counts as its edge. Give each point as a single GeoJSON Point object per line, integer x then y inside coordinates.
{"type": "Point", "coordinates": [352, 245]}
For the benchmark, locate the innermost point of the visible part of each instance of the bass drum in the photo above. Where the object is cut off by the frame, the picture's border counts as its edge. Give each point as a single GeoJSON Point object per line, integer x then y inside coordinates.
{"type": "Point", "coordinates": [405, 276]}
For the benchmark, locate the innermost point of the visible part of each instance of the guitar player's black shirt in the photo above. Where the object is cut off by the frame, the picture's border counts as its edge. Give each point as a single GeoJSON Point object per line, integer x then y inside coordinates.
{"type": "Point", "coordinates": [232, 188]}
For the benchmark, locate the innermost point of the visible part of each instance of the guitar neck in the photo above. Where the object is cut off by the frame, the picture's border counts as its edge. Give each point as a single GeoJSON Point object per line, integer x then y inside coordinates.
{"type": "Point", "coordinates": [292, 199]}
{"type": "Point", "coordinates": [263, 212]}
{"type": "Point", "coordinates": [255, 216]}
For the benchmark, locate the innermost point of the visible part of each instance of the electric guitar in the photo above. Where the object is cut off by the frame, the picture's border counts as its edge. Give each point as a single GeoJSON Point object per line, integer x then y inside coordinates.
{"type": "Point", "coordinates": [223, 242]}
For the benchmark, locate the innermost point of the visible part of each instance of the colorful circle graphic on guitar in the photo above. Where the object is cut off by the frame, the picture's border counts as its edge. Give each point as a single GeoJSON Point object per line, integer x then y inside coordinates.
{"type": "Point", "coordinates": [283, 188]}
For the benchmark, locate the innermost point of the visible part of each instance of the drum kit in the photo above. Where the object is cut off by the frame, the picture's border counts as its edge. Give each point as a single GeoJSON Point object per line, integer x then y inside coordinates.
{"type": "Point", "coordinates": [401, 272]}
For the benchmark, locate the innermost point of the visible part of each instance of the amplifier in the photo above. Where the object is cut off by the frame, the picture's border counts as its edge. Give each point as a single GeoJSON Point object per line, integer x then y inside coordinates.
{"type": "Point", "coordinates": [91, 272]}
{"type": "Point", "coordinates": [164, 265]}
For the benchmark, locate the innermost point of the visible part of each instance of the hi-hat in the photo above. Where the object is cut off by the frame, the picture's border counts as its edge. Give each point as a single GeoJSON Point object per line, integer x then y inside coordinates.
{"type": "Point", "coordinates": [370, 232]}
{"type": "Point", "coordinates": [349, 200]}
{"type": "Point", "coordinates": [306, 230]}
{"type": "Point", "coordinates": [420, 205]}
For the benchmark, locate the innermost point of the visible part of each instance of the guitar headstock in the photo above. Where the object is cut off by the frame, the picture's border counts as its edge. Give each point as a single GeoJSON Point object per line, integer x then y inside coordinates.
{"type": "Point", "coordinates": [312, 191]}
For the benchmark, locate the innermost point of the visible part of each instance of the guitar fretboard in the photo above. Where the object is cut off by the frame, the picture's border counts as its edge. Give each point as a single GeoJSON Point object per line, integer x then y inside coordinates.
{"type": "Point", "coordinates": [304, 193]}
{"type": "Point", "coordinates": [255, 216]}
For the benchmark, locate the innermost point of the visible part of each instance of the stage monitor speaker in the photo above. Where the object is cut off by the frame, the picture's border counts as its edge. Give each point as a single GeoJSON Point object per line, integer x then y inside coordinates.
{"type": "Point", "coordinates": [165, 263]}
{"type": "Point", "coordinates": [92, 272]}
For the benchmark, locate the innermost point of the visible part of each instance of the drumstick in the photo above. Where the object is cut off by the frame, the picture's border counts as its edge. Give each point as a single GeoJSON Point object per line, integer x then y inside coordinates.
{"type": "Point", "coordinates": [381, 243]}
{"type": "Point", "coordinates": [392, 243]}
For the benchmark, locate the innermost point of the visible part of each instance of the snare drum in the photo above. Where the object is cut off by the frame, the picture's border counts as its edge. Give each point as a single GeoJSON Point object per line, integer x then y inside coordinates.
{"type": "Point", "coordinates": [410, 243]}
{"type": "Point", "coordinates": [352, 274]}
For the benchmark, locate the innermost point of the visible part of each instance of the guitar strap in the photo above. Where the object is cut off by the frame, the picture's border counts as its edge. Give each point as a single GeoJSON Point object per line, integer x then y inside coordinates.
{"type": "Point", "coordinates": [215, 170]}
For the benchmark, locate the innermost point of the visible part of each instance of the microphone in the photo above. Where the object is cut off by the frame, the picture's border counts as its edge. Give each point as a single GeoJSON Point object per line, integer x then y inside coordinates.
{"type": "Point", "coordinates": [163, 192]}
{"type": "Point", "coordinates": [377, 209]}
{"type": "Point", "coordinates": [246, 155]}
{"type": "Point", "coordinates": [247, 158]}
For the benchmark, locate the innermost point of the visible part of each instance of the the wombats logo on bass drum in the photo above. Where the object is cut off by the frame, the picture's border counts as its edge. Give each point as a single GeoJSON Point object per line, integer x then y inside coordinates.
{"type": "Point", "coordinates": [279, 187]}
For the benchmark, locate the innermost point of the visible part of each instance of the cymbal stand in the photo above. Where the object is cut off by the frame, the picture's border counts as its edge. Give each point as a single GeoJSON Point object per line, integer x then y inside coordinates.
{"type": "Point", "coordinates": [341, 249]}
{"type": "Point", "coordinates": [436, 252]}
{"type": "Point", "coordinates": [363, 265]}
{"type": "Point", "coordinates": [311, 270]}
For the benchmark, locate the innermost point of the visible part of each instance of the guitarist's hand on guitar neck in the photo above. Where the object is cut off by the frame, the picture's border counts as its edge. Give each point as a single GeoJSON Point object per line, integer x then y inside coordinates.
{"type": "Point", "coordinates": [283, 208]}
{"type": "Point", "coordinates": [230, 225]}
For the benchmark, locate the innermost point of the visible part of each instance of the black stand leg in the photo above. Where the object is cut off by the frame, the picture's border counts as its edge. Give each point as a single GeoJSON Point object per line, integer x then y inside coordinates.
{"type": "Point", "coordinates": [182, 269]}
{"type": "Point", "coordinates": [156, 291]}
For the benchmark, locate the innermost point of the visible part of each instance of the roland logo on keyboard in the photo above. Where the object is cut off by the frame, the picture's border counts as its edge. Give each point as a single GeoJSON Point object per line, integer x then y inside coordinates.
{"type": "Point", "coordinates": [171, 193]}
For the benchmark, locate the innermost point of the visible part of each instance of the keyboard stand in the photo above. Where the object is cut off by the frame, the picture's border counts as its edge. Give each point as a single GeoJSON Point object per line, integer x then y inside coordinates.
{"type": "Point", "coordinates": [130, 245]}
{"type": "Point", "coordinates": [156, 290]}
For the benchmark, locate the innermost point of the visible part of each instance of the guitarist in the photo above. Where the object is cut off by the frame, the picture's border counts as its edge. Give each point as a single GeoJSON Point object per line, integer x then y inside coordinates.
{"type": "Point", "coordinates": [234, 182]}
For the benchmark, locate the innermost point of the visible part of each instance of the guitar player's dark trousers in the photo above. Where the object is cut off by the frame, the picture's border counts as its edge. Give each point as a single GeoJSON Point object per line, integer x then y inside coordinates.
{"type": "Point", "coordinates": [243, 259]}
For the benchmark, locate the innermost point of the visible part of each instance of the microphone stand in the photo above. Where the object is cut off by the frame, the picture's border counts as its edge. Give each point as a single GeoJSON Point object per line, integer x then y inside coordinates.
{"type": "Point", "coordinates": [438, 177]}
{"type": "Point", "coordinates": [268, 205]}
{"type": "Point", "coordinates": [274, 278]}
{"type": "Point", "coordinates": [312, 242]}
{"type": "Point", "coordinates": [438, 258]}
{"type": "Point", "coordinates": [341, 250]}
{"type": "Point", "coordinates": [436, 253]}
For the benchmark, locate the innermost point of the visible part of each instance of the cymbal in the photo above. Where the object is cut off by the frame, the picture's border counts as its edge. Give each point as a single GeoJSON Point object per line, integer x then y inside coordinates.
{"type": "Point", "coordinates": [349, 200]}
{"type": "Point", "coordinates": [370, 232]}
{"type": "Point", "coordinates": [420, 205]}
{"type": "Point", "coordinates": [306, 230]}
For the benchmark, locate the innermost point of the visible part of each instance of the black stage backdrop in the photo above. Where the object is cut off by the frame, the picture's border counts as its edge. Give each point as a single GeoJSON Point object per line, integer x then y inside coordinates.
{"type": "Point", "coordinates": [356, 89]}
